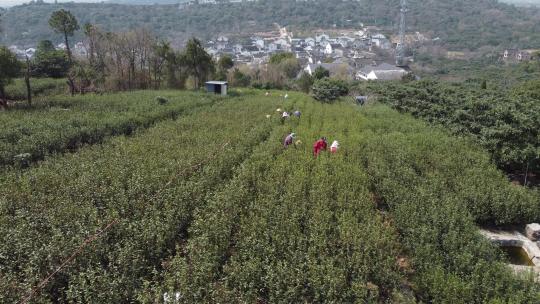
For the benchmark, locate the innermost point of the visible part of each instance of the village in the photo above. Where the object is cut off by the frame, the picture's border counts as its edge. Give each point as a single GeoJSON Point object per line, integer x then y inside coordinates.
{"type": "Point", "coordinates": [364, 54]}
{"type": "Point", "coordinates": [353, 54]}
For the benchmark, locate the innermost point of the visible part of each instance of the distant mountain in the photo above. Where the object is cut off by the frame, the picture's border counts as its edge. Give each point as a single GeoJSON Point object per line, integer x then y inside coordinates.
{"type": "Point", "coordinates": [145, 2]}
{"type": "Point", "coordinates": [523, 2]}
{"type": "Point", "coordinates": [460, 24]}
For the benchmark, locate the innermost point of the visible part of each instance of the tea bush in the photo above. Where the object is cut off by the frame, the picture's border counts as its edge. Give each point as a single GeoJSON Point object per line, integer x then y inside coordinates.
{"type": "Point", "coordinates": [40, 87]}
{"type": "Point", "coordinates": [150, 182]}
{"type": "Point", "coordinates": [291, 228]}
{"type": "Point", "coordinates": [213, 209]}
{"type": "Point", "coordinates": [436, 187]}
{"type": "Point", "coordinates": [65, 123]}
{"type": "Point", "coordinates": [504, 122]}
{"type": "Point", "coordinates": [328, 89]}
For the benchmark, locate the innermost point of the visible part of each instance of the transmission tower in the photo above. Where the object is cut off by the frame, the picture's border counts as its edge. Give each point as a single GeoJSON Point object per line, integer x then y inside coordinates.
{"type": "Point", "coordinates": [400, 49]}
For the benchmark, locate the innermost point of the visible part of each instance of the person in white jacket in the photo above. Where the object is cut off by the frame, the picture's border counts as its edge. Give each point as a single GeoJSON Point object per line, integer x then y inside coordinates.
{"type": "Point", "coordinates": [334, 147]}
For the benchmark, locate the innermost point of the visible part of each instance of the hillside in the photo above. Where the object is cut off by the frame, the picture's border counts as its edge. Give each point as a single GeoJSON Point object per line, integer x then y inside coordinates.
{"type": "Point", "coordinates": [523, 2]}
{"type": "Point", "coordinates": [461, 24]}
{"type": "Point", "coordinates": [206, 205]}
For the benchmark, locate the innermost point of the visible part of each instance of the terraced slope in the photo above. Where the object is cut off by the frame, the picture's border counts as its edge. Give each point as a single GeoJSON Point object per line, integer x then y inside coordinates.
{"type": "Point", "coordinates": [210, 208]}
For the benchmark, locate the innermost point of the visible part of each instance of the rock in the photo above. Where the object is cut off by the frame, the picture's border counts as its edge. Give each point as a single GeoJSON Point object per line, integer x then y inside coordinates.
{"type": "Point", "coordinates": [533, 231]}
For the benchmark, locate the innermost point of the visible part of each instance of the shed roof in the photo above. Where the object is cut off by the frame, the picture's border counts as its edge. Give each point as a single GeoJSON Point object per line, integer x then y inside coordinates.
{"type": "Point", "coordinates": [216, 82]}
{"type": "Point", "coordinates": [383, 67]}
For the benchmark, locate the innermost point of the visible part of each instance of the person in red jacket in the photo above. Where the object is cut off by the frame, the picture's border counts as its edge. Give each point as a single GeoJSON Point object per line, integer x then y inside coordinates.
{"type": "Point", "coordinates": [320, 145]}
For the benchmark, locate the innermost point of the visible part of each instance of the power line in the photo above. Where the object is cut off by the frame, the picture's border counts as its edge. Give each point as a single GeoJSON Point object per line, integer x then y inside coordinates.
{"type": "Point", "coordinates": [400, 49]}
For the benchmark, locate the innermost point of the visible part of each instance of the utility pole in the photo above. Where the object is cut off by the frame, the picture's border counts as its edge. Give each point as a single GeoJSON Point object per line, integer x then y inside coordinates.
{"type": "Point", "coordinates": [27, 81]}
{"type": "Point", "coordinates": [400, 49]}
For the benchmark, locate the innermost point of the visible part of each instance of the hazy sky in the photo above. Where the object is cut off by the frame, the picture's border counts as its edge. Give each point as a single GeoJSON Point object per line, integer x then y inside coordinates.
{"type": "Point", "coordinates": [4, 3]}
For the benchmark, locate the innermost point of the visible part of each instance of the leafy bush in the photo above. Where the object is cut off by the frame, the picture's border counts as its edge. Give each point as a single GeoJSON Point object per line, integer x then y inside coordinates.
{"type": "Point", "coordinates": [320, 73]}
{"type": "Point", "coordinates": [305, 82]}
{"type": "Point", "coordinates": [161, 100]}
{"type": "Point", "coordinates": [240, 79]}
{"type": "Point", "coordinates": [281, 57]}
{"type": "Point", "coordinates": [507, 124]}
{"type": "Point", "coordinates": [50, 62]}
{"type": "Point", "coordinates": [328, 90]}
{"type": "Point", "coordinates": [40, 87]}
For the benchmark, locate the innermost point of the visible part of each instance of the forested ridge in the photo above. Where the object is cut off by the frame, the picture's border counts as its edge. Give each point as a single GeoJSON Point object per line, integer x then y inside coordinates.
{"type": "Point", "coordinates": [460, 24]}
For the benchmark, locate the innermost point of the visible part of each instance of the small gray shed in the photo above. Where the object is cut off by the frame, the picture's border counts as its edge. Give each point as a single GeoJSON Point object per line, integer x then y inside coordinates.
{"type": "Point", "coordinates": [217, 87]}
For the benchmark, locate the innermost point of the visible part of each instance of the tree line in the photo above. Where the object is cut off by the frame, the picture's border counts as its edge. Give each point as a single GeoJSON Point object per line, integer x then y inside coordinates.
{"type": "Point", "coordinates": [135, 59]}
{"type": "Point", "coordinates": [138, 59]}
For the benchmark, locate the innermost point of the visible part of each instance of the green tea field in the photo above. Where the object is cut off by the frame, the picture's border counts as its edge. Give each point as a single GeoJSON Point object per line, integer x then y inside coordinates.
{"type": "Point", "coordinates": [125, 199]}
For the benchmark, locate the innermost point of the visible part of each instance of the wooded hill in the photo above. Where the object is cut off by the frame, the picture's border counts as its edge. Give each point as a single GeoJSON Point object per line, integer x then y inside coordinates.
{"type": "Point", "coordinates": [461, 24]}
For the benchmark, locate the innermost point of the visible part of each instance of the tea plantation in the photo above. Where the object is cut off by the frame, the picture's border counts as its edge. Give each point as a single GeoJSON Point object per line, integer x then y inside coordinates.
{"type": "Point", "coordinates": [195, 200]}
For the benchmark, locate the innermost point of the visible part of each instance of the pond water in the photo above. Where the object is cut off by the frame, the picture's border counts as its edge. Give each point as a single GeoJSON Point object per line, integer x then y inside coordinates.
{"type": "Point", "coordinates": [517, 256]}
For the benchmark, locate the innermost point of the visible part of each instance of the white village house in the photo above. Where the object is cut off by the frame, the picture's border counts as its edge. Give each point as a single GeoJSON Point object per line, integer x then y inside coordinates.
{"type": "Point", "coordinates": [383, 71]}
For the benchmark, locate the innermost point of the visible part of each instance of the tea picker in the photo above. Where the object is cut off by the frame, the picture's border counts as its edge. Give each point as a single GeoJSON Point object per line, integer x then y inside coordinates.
{"type": "Point", "coordinates": [319, 145]}
{"type": "Point", "coordinates": [289, 140]}
{"type": "Point", "coordinates": [334, 147]}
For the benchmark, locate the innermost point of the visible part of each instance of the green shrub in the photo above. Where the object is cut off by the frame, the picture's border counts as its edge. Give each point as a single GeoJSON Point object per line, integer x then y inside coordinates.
{"type": "Point", "coordinates": [162, 100]}
{"type": "Point", "coordinates": [40, 87]}
{"type": "Point", "coordinates": [328, 90]}
{"type": "Point", "coordinates": [305, 82]}
{"type": "Point", "coordinates": [320, 73]}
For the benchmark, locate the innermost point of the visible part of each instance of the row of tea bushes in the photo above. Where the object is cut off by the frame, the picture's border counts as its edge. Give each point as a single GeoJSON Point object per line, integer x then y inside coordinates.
{"type": "Point", "coordinates": [65, 123]}
{"type": "Point", "coordinates": [290, 228]}
{"type": "Point", "coordinates": [436, 187]}
{"type": "Point", "coordinates": [150, 182]}
{"type": "Point", "coordinates": [40, 87]}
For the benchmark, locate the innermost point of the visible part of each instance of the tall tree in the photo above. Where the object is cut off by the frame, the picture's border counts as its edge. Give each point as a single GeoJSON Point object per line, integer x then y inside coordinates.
{"type": "Point", "coordinates": [9, 68]}
{"type": "Point", "coordinates": [90, 33]}
{"type": "Point", "coordinates": [305, 82]}
{"type": "Point", "coordinates": [162, 54]}
{"type": "Point", "coordinates": [63, 22]}
{"type": "Point", "coordinates": [50, 62]}
{"type": "Point", "coordinates": [223, 65]}
{"type": "Point", "coordinates": [225, 62]}
{"type": "Point", "coordinates": [198, 62]}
